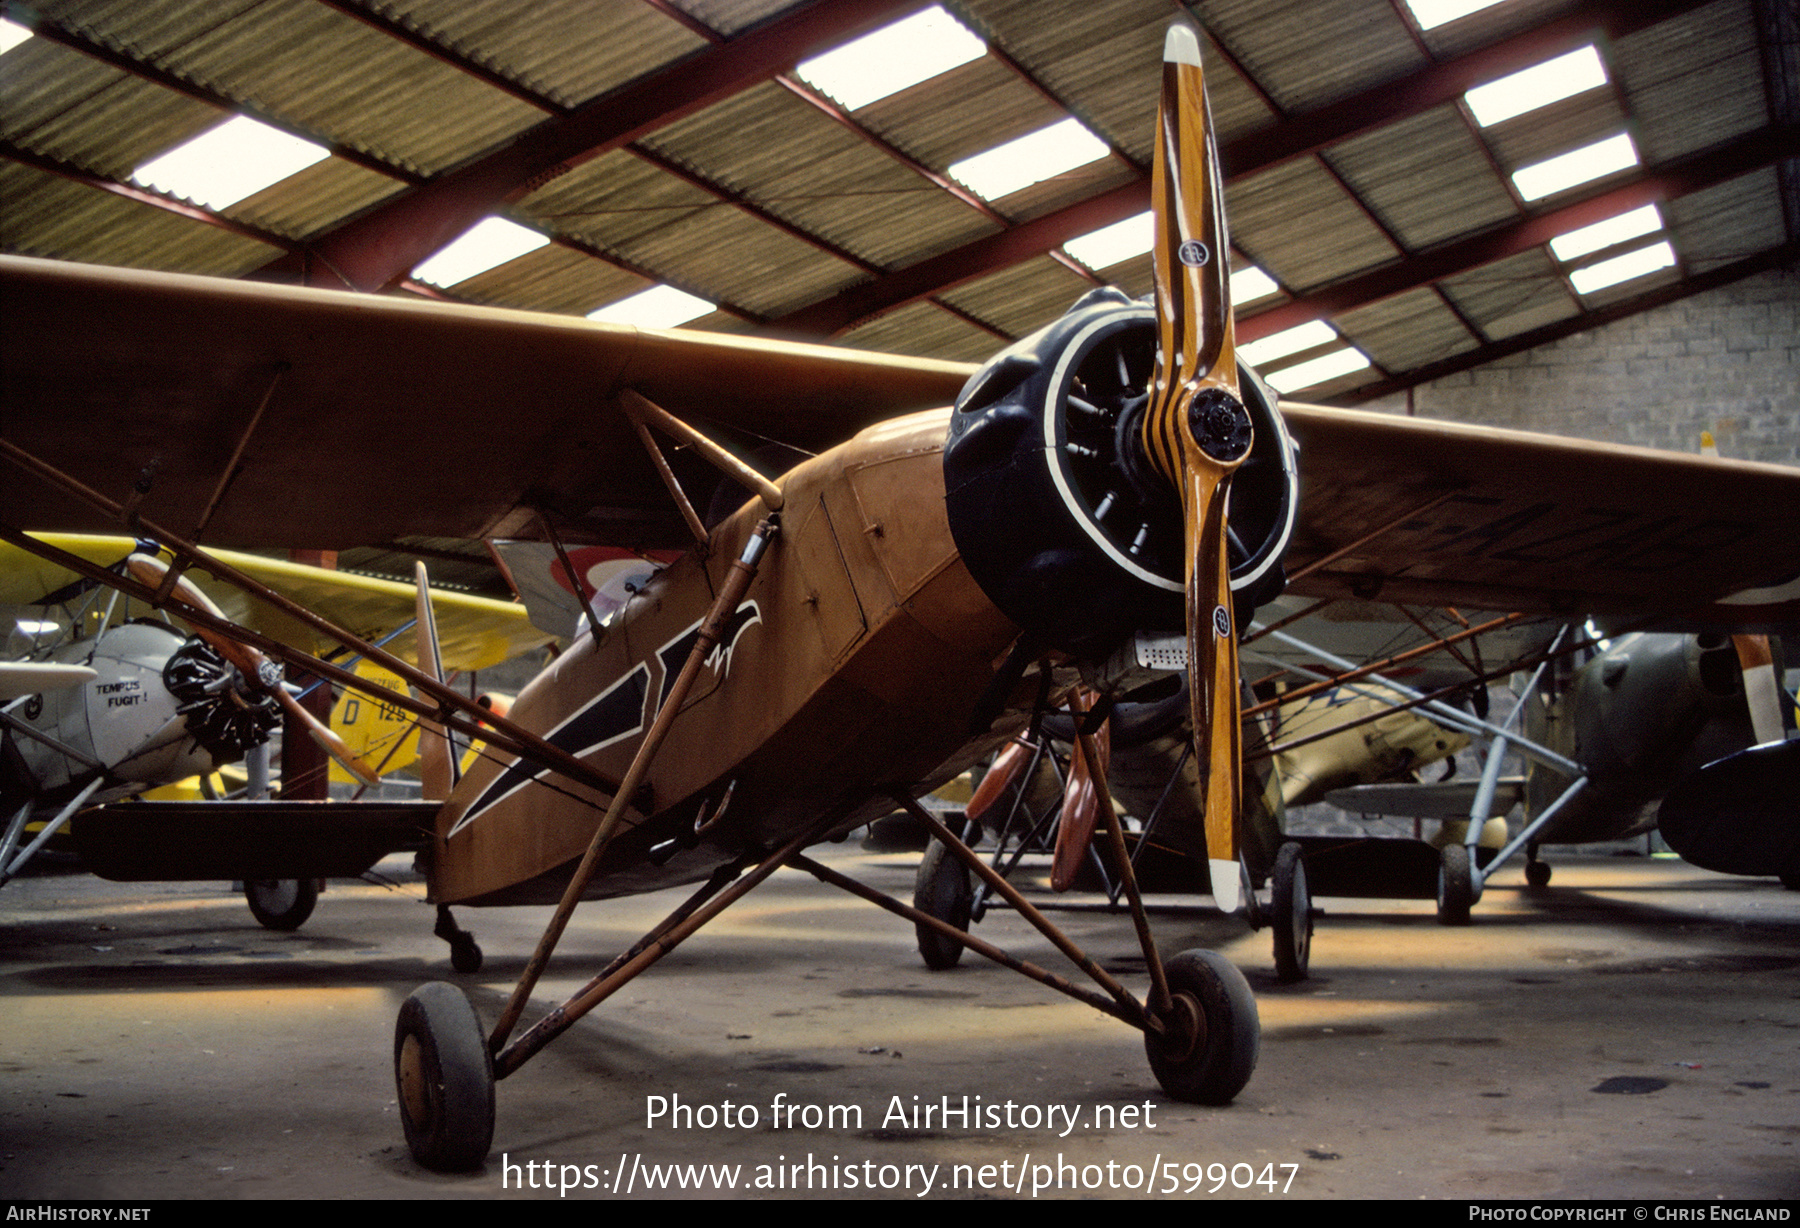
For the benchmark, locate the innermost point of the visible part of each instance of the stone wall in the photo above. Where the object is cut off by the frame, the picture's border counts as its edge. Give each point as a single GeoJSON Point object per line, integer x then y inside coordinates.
{"type": "Point", "coordinates": [1727, 361]}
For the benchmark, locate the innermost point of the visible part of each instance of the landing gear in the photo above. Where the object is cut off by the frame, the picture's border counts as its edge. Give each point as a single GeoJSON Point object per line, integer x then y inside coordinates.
{"type": "Point", "coordinates": [1208, 1051]}
{"type": "Point", "coordinates": [1537, 873]}
{"type": "Point", "coordinates": [465, 955]}
{"type": "Point", "coordinates": [1456, 886]}
{"type": "Point", "coordinates": [445, 1079]}
{"type": "Point", "coordinates": [281, 904]}
{"type": "Point", "coordinates": [1291, 905]}
{"type": "Point", "coordinates": [943, 891]}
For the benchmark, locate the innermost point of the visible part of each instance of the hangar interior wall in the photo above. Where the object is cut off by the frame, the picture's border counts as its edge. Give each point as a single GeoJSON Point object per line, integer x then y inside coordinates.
{"type": "Point", "coordinates": [1727, 361]}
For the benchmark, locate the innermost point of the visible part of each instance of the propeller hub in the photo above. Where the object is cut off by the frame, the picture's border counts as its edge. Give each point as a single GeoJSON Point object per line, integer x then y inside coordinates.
{"type": "Point", "coordinates": [1220, 424]}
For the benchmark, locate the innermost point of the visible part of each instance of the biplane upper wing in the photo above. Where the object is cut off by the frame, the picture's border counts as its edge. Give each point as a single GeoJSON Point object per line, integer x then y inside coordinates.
{"type": "Point", "coordinates": [386, 418]}
{"type": "Point", "coordinates": [473, 632]}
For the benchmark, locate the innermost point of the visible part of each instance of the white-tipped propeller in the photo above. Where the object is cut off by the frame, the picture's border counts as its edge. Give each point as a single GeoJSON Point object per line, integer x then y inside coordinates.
{"type": "Point", "coordinates": [258, 671]}
{"type": "Point", "coordinates": [1196, 431]}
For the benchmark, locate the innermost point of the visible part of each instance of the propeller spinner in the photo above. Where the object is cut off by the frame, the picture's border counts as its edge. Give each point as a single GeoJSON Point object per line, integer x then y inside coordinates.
{"type": "Point", "coordinates": [1196, 431]}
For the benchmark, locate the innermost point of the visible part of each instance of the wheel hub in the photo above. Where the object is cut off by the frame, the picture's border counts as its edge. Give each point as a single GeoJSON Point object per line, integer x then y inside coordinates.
{"type": "Point", "coordinates": [414, 1098]}
{"type": "Point", "coordinates": [1184, 1027]}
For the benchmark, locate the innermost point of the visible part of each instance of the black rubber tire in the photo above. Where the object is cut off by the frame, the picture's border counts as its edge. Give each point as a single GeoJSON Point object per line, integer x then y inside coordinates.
{"type": "Point", "coordinates": [281, 904]}
{"type": "Point", "coordinates": [1456, 886]}
{"type": "Point", "coordinates": [1537, 874]}
{"type": "Point", "coordinates": [942, 890]}
{"type": "Point", "coordinates": [1214, 1070]}
{"type": "Point", "coordinates": [465, 955]}
{"type": "Point", "coordinates": [444, 1078]}
{"type": "Point", "coordinates": [1290, 906]}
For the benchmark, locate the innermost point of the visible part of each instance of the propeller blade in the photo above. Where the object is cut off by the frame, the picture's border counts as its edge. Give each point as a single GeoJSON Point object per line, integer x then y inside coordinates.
{"type": "Point", "coordinates": [1762, 689]}
{"type": "Point", "coordinates": [1196, 431]}
{"type": "Point", "coordinates": [328, 740]}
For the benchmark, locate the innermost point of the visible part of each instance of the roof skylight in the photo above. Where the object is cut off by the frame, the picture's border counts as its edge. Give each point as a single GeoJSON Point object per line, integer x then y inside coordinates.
{"type": "Point", "coordinates": [657, 307]}
{"type": "Point", "coordinates": [892, 58]}
{"type": "Point", "coordinates": [487, 244]}
{"type": "Point", "coordinates": [11, 35]}
{"type": "Point", "coordinates": [1030, 159]}
{"type": "Point", "coordinates": [228, 162]}
{"type": "Point", "coordinates": [1287, 341]}
{"type": "Point", "coordinates": [1604, 234]}
{"type": "Point", "coordinates": [1641, 263]}
{"type": "Point", "coordinates": [1318, 370]}
{"type": "Point", "coordinates": [1250, 283]}
{"type": "Point", "coordinates": [1431, 14]}
{"type": "Point", "coordinates": [1577, 166]}
{"type": "Point", "coordinates": [1539, 86]}
{"type": "Point", "coordinates": [1110, 245]}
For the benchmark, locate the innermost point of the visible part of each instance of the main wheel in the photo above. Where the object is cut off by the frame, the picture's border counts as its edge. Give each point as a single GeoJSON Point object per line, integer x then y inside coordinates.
{"type": "Point", "coordinates": [1456, 886]}
{"type": "Point", "coordinates": [281, 903]}
{"type": "Point", "coordinates": [445, 1078]}
{"type": "Point", "coordinates": [943, 891]}
{"type": "Point", "coordinates": [1537, 874]}
{"type": "Point", "coordinates": [1208, 1051]}
{"type": "Point", "coordinates": [1291, 904]}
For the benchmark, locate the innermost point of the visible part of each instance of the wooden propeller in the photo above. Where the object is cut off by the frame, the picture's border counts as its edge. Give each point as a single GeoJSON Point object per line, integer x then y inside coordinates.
{"type": "Point", "coordinates": [261, 673]}
{"type": "Point", "coordinates": [1196, 430]}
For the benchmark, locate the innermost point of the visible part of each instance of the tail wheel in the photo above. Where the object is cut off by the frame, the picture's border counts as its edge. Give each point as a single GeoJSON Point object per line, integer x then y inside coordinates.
{"type": "Point", "coordinates": [1208, 1051]}
{"type": "Point", "coordinates": [281, 903]}
{"type": "Point", "coordinates": [942, 890]}
{"type": "Point", "coordinates": [1456, 886]}
{"type": "Point", "coordinates": [1292, 921]}
{"type": "Point", "coordinates": [445, 1079]}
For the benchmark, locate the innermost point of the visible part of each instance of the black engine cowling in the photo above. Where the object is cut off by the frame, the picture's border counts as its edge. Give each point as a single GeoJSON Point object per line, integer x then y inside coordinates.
{"type": "Point", "coordinates": [1054, 508]}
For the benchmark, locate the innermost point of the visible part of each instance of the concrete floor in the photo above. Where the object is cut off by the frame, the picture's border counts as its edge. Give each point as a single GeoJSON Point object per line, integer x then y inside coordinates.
{"type": "Point", "coordinates": [157, 1043]}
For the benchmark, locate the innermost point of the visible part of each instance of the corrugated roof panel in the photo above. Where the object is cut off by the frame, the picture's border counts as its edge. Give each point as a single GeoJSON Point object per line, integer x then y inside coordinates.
{"type": "Point", "coordinates": [338, 77]}
{"type": "Point", "coordinates": [926, 331]}
{"type": "Point", "coordinates": [612, 200]}
{"type": "Point", "coordinates": [553, 278]}
{"type": "Point", "coordinates": [764, 270]}
{"type": "Point", "coordinates": [1426, 177]}
{"type": "Point", "coordinates": [1727, 222]}
{"type": "Point", "coordinates": [1302, 227]}
{"type": "Point", "coordinates": [316, 199]}
{"type": "Point", "coordinates": [963, 112]}
{"type": "Point", "coordinates": [47, 215]}
{"type": "Point", "coordinates": [787, 157]}
{"type": "Point", "coordinates": [59, 102]}
{"type": "Point", "coordinates": [1406, 331]}
{"type": "Point", "coordinates": [1304, 55]}
{"type": "Point", "coordinates": [1694, 81]}
{"type": "Point", "coordinates": [1556, 129]}
{"type": "Point", "coordinates": [1514, 295]}
{"type": "Point", "coordinates": [730, 17]}
{"type": "Point", "coordinates": [1023, 298]}
{"type": "Point", "coordinates": [567, 50]}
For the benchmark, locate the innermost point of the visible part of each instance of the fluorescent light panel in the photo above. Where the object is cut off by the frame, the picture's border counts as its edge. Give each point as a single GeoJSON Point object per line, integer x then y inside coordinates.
{"type": "Point", "coordinates": [224, 164]}
{"type": "Point", "coordinates": [657, 307]}
{"type": "Point", "coordinates": [1604, 234]}
{"type": "Point", "coordinates": [1527, 90]}
{"type": "Point", "coordinates": [1317, 370]}
{"type": "Point", "coordinates": [11, 35]}
{"type": "Point", "coordinates": [1431, 14]}
{"type": "Point", "coordinates": [892, 59]}
{"type": "Point", "coordinates": [487, 244]}
{"type": "Point", "coordinates": [1641, 263]}
{"type": "Point", "coordinates": [1030, 159]}
{"type": "Point", "coordinates": [1578, 166]}
{"type": "Point", "coordinates": [1288, 341]}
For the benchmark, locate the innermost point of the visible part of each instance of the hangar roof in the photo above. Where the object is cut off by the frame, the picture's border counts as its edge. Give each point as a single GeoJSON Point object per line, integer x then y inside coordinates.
{"type": "Point", "coordinates": [673, 142]}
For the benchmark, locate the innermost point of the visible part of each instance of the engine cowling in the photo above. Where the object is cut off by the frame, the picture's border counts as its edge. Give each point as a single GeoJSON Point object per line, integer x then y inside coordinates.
{"type": "Point", "coordinates": [1053, 506]}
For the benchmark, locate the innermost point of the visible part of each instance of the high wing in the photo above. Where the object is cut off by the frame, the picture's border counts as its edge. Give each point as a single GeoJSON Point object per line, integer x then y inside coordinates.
{"type": "Point", "coordinates": [495, 415]}
{"type": "Point", "coordinates": [473, 632]}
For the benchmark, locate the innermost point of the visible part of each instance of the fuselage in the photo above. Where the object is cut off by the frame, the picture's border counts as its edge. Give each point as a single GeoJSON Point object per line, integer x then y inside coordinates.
{"type": "Point", "coordinates": [850, 670]}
